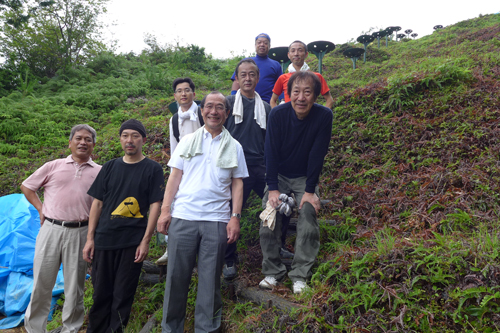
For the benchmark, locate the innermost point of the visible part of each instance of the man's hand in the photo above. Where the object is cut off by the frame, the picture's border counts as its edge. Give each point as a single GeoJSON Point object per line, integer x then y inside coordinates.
{"type": "Point", "coordinates": [233, 230]}
{"type": "Point", "coordinates": [164, 222]}
{"type": "Point", "coordinates": [88, 251]}
{"type": "Point", "coordinates": [274, 198]}
{"type": "Point", "coordinates": [313, 199]}
{"type": "Point", "coordinates": [141, 252]}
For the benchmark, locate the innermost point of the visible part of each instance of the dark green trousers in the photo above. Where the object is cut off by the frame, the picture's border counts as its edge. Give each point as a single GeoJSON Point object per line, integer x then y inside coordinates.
{"type": "Point", "coordinates": [306, 243]}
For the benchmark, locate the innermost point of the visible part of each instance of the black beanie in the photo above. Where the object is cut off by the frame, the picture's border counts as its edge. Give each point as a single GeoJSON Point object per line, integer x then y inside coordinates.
{"type": "Point", "coordinates": [133, 124]}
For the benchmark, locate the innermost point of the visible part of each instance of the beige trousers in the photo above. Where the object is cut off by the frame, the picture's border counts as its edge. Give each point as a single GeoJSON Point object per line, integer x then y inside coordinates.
{"type": "Point", "coordinates": [56, 244]}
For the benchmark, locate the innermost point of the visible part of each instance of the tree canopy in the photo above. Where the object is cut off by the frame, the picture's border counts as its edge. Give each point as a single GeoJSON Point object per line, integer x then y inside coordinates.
{"type": "Point", "coordinates": [54, 36]}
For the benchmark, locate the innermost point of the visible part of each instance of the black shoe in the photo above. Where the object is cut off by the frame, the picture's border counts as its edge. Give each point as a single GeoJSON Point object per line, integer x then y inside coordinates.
{"type": "Point", "coordinates": [285, 254]}
{"type": "Point", "coordinates": [229, 271]}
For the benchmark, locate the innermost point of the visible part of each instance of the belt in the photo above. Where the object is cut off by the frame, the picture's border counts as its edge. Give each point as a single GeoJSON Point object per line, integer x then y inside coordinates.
{"type": "Point", "coordinates": [68, 224]}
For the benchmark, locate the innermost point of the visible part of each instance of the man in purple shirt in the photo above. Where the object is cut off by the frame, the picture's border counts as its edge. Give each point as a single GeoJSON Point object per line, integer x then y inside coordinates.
{"type": "Point", "coordinates": [64, 218]}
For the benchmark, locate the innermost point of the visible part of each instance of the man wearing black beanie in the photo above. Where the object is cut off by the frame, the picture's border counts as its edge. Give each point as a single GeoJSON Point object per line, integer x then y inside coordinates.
{"type": "Point", "coordinates": [120, 230]}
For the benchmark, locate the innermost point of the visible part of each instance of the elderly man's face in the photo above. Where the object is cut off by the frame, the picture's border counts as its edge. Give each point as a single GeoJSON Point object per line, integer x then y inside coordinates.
{"type": "Point", "coordinates": [297, 54]}
{"type": "Point", "coordinates": [302, 97]}
{"type": "Point", "coordinates": [248, 78]}
{"type": "Point", "coordinates": [214, 113]}
{"type": "Point", "coordinates": [262, 46]}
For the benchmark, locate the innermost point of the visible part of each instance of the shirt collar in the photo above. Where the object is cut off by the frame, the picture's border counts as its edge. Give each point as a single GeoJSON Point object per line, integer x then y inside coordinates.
{"type": "Point", "coordinates": [70, 159]}
{"type": "Point", "coordinates": [192, 109]}
{"type": "Point", "coordinates": [206, 134]}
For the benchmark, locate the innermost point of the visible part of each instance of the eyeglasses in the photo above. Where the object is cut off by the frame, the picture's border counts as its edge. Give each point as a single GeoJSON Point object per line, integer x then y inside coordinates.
{"type": "Point", "coordinates": [217, 107]}
{"type": "Point", "coordinates": [180, 91]}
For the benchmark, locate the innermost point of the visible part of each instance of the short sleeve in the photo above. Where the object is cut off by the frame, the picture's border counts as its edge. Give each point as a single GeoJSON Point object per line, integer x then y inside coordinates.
{"type": "Point", "coordinates": [157, 185]}
{"type": "Point", "coordinates": [241, 170]}
{"type": "Point", "coordinates": [38, 178]}
{"type": "Point", "coordinates": [278, 86]}
{"type": "Point", "coordinates": [96, 190]}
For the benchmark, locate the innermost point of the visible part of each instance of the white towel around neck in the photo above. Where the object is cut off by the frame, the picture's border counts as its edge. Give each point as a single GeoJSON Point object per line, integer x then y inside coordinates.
{"type": "Point", "coordinates": [292, 69]}
{"type": "Point", "coordinates": [259, 110]}
{"type": "Point", "coordinates": [190, 114]}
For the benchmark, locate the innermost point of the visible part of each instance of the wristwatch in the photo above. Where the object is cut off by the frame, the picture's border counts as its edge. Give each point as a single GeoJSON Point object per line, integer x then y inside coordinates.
{"type": "Point", "coordinates": [237, 215]}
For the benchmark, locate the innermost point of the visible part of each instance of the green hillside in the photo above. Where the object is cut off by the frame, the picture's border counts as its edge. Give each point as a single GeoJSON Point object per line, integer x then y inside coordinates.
{"type": "Point", "coordinates": [413, 175]}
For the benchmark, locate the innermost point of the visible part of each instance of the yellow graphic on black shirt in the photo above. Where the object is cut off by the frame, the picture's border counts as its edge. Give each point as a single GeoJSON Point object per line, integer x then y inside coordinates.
{"type": "Point", "coordinates": [128, 208]}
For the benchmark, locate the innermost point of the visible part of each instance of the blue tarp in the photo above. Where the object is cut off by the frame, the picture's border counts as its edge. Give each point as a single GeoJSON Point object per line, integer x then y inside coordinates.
{"type": "Point", "coordinates": [19, 226]}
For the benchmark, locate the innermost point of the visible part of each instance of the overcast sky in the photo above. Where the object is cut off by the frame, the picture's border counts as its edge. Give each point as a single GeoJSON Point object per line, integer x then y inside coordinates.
{"type": "Point", "coordinates": [226, 27]}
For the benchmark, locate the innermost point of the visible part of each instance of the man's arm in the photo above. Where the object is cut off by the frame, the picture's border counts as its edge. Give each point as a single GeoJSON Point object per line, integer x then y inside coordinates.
{"type": "Point", "coordinates": [143, 248]}
{"type": "Point", "coordinates": [272, 151]}
{"type": "Point", "coordinates": [172, 187]}
{"type": "Point", "coordinates": [274, 100]}
{"type": "Point", "coordinates": [328, 99]}
{"type": "Point", "coordinates": [33, 199]}
{"type": "Point", "coordinates": [233, 227]}
{"type": "Point", "coordinates": [322, 137]}
{"type": "Point", "coordinates": [235, 85]}
{"type": "Point", "coordinates": [95, 213]}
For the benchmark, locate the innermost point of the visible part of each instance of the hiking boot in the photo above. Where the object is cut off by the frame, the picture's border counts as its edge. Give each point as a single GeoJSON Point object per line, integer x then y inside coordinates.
{"type": "Point", "coordinates": [285, 254]}
{"type": "Point", "coordinates": [229, 271]}
{"type": "Point", "coordinates": [269, 282]}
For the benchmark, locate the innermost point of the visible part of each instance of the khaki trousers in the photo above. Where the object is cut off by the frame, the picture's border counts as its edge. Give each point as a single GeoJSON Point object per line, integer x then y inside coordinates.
{"type": "Point", "coordinates": [56, 244]}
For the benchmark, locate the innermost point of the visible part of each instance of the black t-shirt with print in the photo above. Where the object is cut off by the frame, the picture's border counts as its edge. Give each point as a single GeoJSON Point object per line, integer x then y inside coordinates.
{"type": "Point", "coordinates": [126, 191]}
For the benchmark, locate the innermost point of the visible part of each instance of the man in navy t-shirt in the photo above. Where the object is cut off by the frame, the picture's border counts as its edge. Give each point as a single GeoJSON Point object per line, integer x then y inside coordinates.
{"type": "Point", "coordinates": [270, 70]}
{"type": "Point", "coordinates": [297, 138]}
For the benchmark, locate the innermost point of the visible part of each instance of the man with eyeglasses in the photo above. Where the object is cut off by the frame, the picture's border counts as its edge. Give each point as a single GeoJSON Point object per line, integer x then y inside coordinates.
{"type": "Point", "coordinates": [207, 170]}
{"type": "Point", "coordinates": [188, 116]}
{"type": "Point", "coordinates": [247, 124]}
{"type": "Point", "coordinates": [185, 121]}
{"type": "Point", "coordinates": [270, 70]}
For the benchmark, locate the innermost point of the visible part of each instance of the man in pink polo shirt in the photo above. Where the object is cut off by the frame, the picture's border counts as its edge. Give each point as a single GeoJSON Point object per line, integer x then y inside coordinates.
{"type": "Point", "coordinates": [64, 218]}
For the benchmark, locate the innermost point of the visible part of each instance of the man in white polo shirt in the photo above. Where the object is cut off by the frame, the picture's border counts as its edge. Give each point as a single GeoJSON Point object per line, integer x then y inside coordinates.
{"type": "Point", "coordinates": [64, 217]}
{"type": "Point", "coordinates": [207, 171]}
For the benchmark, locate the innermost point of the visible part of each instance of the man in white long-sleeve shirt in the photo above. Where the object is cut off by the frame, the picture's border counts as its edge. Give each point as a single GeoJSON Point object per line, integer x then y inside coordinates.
{"type": "Point", "coordinates": [186, 120]}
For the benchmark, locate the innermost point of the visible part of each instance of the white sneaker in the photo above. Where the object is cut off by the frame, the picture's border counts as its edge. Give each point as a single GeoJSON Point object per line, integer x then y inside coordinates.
{"type": "Point", "coordinates": [268, 283]}
{"type": "Point", "coordinates": [299, 287]}
{"type": "Point", "coordinates": [163, 259]}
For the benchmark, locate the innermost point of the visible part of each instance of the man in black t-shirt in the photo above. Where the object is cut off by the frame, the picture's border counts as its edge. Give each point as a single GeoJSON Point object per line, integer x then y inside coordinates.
{"type": "Point", "coordinates": [120, 230]}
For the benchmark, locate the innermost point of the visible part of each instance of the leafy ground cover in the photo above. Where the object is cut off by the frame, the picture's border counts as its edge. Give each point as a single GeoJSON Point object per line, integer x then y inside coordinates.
{"type": "Point", "coordinates": [412, 174]}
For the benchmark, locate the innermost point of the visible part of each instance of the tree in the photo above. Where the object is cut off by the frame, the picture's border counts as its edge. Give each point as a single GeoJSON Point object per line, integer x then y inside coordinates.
{"type": "Point", "coordinates": [16, 5]}
{"type": "Point", "coordinates": [57, 36]}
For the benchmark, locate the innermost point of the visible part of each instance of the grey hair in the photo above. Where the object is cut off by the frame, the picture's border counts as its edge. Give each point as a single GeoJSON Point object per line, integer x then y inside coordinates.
{"type": "Point", "coordinates": [80, 127]}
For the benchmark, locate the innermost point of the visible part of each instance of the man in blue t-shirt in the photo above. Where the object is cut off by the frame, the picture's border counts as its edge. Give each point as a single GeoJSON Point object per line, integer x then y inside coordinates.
{"type": "Point", "coordinates": [270, 70]}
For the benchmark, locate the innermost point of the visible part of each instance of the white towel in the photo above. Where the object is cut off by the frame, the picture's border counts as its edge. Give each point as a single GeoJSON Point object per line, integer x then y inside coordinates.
{"type": "Point", "coordinates": [226, 154]}
{"type": "Point", "coordinates": [190, 114]}
{"type": "Point", "coordinates": [259, 110]}
{"type": "Point", "coordinates": [304, 68]}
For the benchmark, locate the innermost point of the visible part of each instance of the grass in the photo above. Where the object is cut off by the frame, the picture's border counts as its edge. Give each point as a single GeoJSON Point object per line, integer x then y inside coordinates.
{"type": "Point", "coordinates": [412, 176]}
